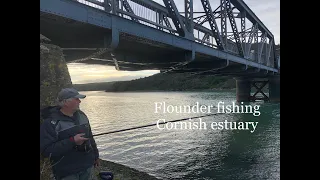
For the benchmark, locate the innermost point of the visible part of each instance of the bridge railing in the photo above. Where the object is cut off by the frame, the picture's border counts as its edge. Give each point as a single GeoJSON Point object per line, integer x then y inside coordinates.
{"type": "Point", "coordinates": [154, 15]}
{"type": "Point", "coordinates": [99, 4]}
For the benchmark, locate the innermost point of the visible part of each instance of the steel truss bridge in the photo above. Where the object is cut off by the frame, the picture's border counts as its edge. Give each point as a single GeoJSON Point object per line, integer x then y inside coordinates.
{"type": "Point", "coordinates": [225, 39]}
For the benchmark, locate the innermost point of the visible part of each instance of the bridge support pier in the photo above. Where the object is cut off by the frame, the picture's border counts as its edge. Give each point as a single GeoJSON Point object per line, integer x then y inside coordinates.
{"type": "Point", "coordinates": [274, 89]}
{"type": "Point", "coordinates": [243, 89]}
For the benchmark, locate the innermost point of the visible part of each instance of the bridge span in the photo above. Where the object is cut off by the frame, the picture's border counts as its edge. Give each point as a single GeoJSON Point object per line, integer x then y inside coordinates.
{"type": "Point", "coordinates": [228, 39]}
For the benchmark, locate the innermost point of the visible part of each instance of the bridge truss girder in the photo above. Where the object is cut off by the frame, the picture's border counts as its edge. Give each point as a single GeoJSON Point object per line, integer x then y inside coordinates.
{"type": "Point", "coordinates": [256, 43]}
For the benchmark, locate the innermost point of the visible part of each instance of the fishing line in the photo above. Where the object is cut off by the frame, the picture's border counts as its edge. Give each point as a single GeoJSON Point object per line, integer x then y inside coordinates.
{"type": "Point", "coordinates": [138, 127]}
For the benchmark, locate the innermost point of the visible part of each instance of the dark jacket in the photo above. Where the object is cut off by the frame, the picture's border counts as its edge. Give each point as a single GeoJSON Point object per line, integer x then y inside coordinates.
{"type": "Point", "coordinates": [56, 141]}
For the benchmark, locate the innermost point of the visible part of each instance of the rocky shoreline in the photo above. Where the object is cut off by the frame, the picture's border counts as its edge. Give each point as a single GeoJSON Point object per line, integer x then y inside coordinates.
{"type": "Point", "coordinates": [122, 172]}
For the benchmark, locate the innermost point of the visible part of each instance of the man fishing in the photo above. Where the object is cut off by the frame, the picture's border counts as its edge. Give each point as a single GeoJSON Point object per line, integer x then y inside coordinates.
{"type": "Point", "coordinates": [66, 138]}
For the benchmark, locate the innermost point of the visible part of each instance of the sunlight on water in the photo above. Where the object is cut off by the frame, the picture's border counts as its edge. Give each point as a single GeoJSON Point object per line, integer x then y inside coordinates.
{"type": "Point", "coordinates": [185, 154]}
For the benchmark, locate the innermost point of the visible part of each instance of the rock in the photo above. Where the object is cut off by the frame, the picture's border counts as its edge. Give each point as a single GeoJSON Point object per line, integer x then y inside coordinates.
{"type": "Point", "coordinates": [44, 39]}
{"type": "Point", "coordinates": [121, 172]}
{"type": "Point", "coordinates": [54, 74]}
{"type": "Point", "coordinates": [43, 49]}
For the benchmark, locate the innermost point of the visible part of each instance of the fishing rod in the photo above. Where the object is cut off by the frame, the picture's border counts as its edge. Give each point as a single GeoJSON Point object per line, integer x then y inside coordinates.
{"type": "Point", "coordinates": [138, 127]}
{"type": "Point", "coordinates": [107, 175]}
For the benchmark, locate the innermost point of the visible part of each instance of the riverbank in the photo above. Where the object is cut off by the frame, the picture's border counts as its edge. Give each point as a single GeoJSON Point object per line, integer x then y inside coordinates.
{"type": "Point", "coordinates": [122, 172]}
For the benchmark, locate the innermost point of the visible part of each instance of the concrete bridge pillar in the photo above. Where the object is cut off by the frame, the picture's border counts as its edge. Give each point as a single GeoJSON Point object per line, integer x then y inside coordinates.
{"type": "Point", "coordinates": [243, 89]}
{"type": "Point", "coordinates": [274, 88]}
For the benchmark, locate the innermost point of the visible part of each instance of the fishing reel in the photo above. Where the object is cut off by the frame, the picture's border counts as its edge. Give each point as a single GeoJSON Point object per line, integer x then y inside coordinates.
{"type": "Point", "coordinates": [85, 147]}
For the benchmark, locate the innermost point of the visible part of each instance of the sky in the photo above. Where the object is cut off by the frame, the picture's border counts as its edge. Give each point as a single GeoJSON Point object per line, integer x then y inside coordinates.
{"type": "Point", "coordinates": [268, 11]}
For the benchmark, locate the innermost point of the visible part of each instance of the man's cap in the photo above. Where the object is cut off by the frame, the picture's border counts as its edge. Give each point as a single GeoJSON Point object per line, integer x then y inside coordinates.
{"type": "Point", "coordinates": [67, 93]}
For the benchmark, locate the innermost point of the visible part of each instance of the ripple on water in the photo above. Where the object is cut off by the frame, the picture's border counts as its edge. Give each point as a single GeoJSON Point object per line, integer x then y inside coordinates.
{"type": "Point", "coordinates": [184, 154]}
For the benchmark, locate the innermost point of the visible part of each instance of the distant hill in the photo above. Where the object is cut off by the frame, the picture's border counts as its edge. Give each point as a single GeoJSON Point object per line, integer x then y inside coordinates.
{"type": "Point", "coordinates": [173, 82]}
{"type": "Point", "coordinates": [165, 82]}
{"type": "Point", "coordinates": [162, 82]}
{"type": "Point", "coordinates": [93, 86]}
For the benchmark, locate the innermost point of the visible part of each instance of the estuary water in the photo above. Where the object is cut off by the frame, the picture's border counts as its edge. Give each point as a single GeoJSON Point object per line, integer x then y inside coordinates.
{"type": "Point", "coordinates": [194, 150]}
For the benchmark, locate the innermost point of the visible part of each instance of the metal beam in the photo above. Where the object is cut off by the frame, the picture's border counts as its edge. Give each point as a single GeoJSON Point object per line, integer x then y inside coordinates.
{"type": "Point", "coordinates": [175, 16]}
{"type": "Point", "coordinates": [215, 31]}
{"type": "Point", "coordinates": [107, 4]}
{"type": "Point", "coordinates": [260, 46]}
{"type": "Point", "coordinates": [256, 35]}
{"type": "Point", "coordinates": [115, 6]}
{"type": "Point", "coordinates": [188, 6]}
{"type": "Point", "coordinates": [234, 28]}
{"type": "Point", "coordinates": [223, 14]}
{"type": "Point", "coordinates": [126, 5]}
{"type": "Point", "coordinates": [167, 22]}
{"type": "Point", "coordinates": [243, 30]}
{"type": "Point", "coordinates": [163, 17]}
{"type": "Point", "coordinates": [242, 6]}
{"type": "Point", "coordinates": [160, 19]}
{"type": "Point", "coordinates": [268, 51]}
{"type": "Point", "coordinates": [206, 38]}
{"type": "Point", "coordinates": [252, 33]}
{"type": "Point", "coordinates": [276, 59]}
